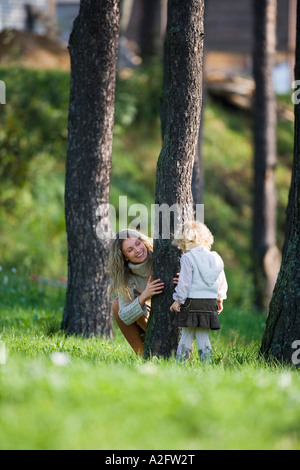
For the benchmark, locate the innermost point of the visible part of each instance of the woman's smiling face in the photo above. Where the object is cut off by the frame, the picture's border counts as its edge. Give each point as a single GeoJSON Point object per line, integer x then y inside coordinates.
{"type": "Point", "coordinates": [134, 250]}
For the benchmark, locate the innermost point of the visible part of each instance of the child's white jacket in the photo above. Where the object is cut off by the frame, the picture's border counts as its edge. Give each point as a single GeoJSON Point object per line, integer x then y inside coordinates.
{"type": "Point", "coordinates": [201, 276]}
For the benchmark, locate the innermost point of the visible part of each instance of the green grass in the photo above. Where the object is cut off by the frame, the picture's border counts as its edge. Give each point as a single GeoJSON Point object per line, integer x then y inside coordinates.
{"type": "Point", "coordinates": [59, 392]}
{"type": "Point", "coordinates": [96, 393]}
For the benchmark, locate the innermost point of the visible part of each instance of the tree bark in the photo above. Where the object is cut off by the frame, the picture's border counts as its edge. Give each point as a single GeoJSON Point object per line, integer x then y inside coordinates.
{"type": "Point", "coordinates": [266, 254]}
{"type": "Point", "coordinates": [150, 29]}
{"type": "Point", "coordinates": [180, 114]}
{"type": "Point", "coordinates": [197, 176]}
{"type": "Point", "coordinates": [93, 50]}
{"type": "Point", "coordinates": [281, 337]}
{"type": "Point", "coordinates": [198, 169]}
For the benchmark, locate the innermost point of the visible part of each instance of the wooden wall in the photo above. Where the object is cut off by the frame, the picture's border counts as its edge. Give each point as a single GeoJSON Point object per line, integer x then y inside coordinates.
{"type": "Point", "coordinates": [229, 25]}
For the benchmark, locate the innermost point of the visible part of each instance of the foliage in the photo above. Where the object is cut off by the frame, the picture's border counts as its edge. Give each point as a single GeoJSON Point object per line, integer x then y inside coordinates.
{"type": "Point", "coordinates": [33, 142]}
{"type": "Point", "coordinates": [33, 137]}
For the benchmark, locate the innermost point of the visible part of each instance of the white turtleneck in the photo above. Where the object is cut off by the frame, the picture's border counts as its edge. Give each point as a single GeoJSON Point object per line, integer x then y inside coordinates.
{"type": "Point", "coordinates": [130, 311]}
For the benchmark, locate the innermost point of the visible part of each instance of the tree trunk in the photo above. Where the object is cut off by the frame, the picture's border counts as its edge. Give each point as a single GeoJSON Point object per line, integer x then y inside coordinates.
{"type": "Point", "coordinates": [281, 339]}
{"type": "Point", "coordinates": [266, 254]}
{"type": "Point", "coordinates": [93, 50]}
{"type": "Point", "coordinates": [198, 169]}
{"type": "Point", "coordinates": [197, 176]}
{"type": "Point", "coordinates": [181, 113]}
{"type": "Point", "coordinates": [150, 29]}
{"type": "Point", "coordinates": [198, 180]}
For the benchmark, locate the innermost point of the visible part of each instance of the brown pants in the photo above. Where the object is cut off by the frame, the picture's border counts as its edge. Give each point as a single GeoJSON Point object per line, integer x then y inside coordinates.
{"type": "Point", "coordinates": [133, 333]}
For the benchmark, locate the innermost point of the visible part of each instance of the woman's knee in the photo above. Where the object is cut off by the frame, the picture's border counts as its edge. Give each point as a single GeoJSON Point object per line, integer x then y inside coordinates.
{"type": "Point", "coordinates": [115, 309]}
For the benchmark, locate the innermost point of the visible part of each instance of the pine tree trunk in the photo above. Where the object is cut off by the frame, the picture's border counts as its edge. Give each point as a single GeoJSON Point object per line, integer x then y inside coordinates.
{"type": "Point", "coordinates": [198, 169]}
{"type": "Point", "coordinates": [93, 50]}
{"type": "Point", "coordinates": [281, 338]}
{"type": "Point", "coordinates": [181, 113]}
{"type": "Point", "coordinates": [150, 29]}
{"type": "Point", "coordinates": [266, 254]}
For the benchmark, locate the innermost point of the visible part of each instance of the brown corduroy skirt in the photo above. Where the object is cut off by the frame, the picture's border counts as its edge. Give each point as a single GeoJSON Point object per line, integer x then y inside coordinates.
{"type": "Point", "coordinates": [198, 313]}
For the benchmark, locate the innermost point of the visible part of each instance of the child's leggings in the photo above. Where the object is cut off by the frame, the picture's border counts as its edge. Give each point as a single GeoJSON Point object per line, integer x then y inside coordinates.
{"type": "Point", "coordinates": [186, 343]}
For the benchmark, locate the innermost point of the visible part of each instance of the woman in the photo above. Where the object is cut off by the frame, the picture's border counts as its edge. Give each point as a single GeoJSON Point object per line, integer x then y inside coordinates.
{"type": "Point", "coordinates": [131, 272]}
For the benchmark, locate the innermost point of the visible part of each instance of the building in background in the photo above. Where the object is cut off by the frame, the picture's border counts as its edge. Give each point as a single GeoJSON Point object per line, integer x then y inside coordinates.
{"type": "Point", "coordinates": [66, 12]}
{"type": "Point", "coordinates": [229, 38]}
{"type": "Point", "coordinates": [39, 15]}
{"type": "Point", "coordinates": [228, 30]}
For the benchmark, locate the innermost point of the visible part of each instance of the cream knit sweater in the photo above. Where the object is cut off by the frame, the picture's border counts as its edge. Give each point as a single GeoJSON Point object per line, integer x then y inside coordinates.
{"type": "Point", "coordinates": [131, 310]}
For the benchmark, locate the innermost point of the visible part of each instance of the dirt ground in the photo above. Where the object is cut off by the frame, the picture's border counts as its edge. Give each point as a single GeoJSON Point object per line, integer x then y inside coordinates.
{"type": "Point", "coordinates": [32, 51]}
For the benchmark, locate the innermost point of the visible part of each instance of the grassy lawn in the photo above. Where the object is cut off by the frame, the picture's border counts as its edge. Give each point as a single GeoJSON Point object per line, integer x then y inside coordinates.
{"type": "Point", "coordinates": [61, 392]}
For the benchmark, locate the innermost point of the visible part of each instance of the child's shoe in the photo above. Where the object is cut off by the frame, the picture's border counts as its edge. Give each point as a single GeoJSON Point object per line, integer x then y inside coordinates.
{"type": "Point", "coordinates": [205, 355]}
{"type": "Point", "coordinates": [183, 354]}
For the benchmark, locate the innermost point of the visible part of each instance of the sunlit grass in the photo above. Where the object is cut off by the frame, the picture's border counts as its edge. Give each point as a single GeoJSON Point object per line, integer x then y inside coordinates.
{"type": "Point", "coordinates": [68, 392]}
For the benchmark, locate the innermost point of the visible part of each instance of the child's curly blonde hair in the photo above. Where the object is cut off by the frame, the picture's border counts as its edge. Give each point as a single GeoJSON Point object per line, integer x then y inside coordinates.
{"type": "Point", "coordinates": [193, 234]}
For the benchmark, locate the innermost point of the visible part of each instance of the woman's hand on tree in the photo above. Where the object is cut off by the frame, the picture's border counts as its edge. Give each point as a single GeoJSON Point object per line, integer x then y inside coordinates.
{"type": "Point", "coordinates": [152, 288]}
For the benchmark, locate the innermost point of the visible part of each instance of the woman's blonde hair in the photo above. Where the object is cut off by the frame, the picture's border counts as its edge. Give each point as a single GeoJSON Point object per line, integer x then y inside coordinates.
{"type": "Point", "coordinates": [193, 234]}
{"type": "Point", "coordinates": [119, 270]}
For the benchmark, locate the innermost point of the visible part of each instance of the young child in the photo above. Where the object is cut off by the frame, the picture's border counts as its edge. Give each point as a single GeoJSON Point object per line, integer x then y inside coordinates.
{"type": "Point", "coordinates": [201, 289]}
